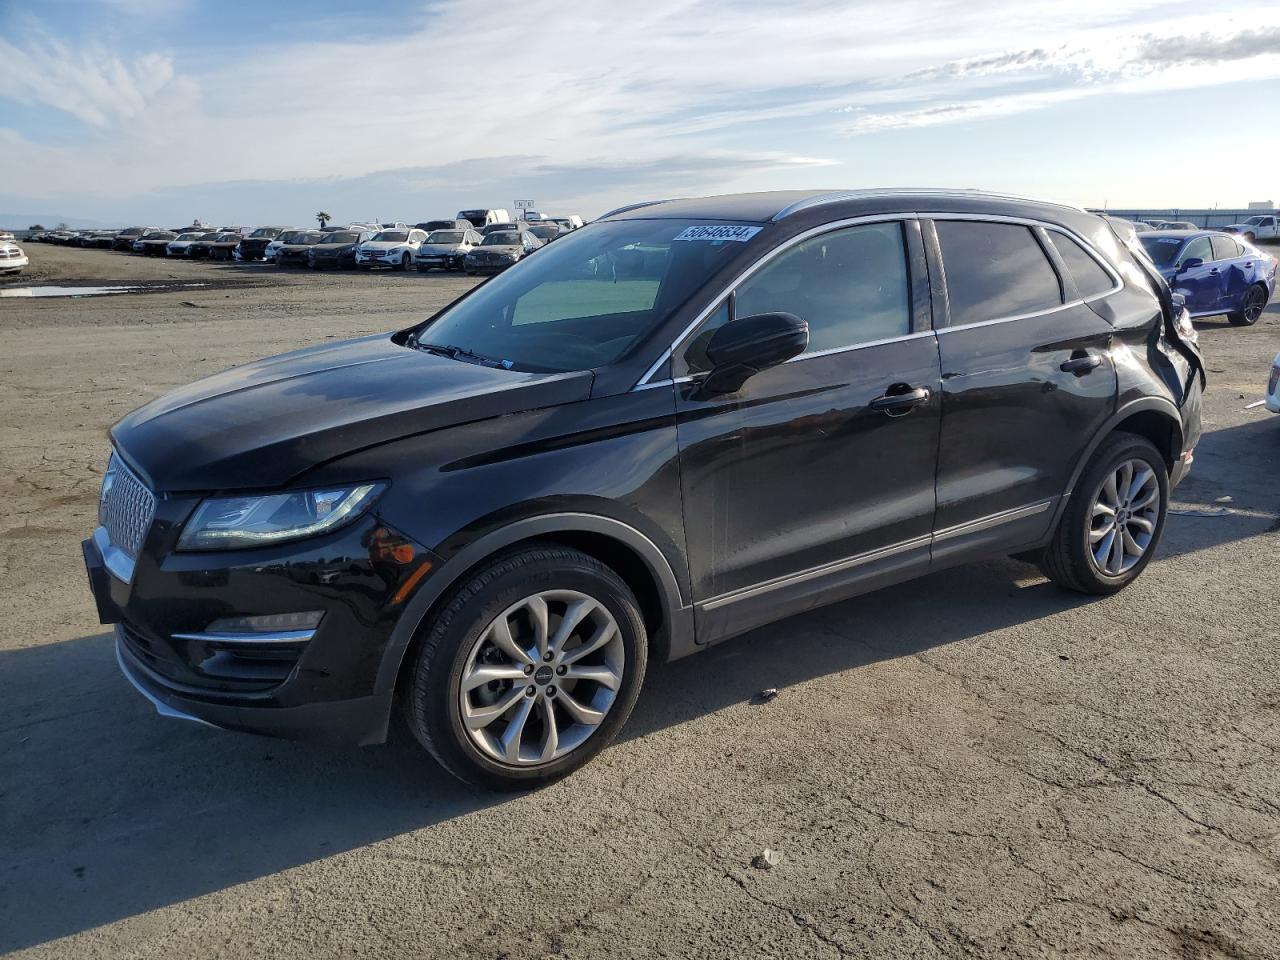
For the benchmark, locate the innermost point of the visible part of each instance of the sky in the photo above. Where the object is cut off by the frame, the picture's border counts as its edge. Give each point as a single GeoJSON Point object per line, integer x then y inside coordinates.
{"type": "Point", "coordinates": [250, 112]}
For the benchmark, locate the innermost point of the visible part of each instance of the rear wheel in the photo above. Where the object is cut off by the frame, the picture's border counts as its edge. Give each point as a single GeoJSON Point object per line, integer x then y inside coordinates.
{"type": "Point", "coordinates": [1113, 522]}
{"type": "Point", "coordinates": [529, 670]}
{"type": "Point", "coordinates": [1251, 306]}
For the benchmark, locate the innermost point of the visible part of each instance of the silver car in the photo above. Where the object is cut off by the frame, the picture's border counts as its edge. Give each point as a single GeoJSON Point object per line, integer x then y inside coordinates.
{"type": "Point", "coordinates": [445, 249]}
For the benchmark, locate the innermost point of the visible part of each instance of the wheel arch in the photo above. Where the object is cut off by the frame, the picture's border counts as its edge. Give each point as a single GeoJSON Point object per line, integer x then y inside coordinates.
{"type": "Point", "coordinates": [636, 558]}
{"type": "Point", "coordinates": [1155, 418]}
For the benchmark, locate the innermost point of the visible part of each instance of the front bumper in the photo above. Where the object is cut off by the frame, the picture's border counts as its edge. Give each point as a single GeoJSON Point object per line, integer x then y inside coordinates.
{"type": "Point", "coordinates": [13, 264]}
{"type": "Point", "coordinates": [317, 683]}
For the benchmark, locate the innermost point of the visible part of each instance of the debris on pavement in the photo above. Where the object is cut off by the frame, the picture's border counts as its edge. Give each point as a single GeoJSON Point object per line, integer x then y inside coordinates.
{"type": "Point", "coordinates": [766, 860]}
{"type": "Point", "coordinates": [764, 696]}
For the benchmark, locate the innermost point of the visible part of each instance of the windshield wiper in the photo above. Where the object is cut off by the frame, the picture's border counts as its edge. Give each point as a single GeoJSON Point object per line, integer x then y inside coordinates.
{"type": "Point", "coordinates": [467, 356]}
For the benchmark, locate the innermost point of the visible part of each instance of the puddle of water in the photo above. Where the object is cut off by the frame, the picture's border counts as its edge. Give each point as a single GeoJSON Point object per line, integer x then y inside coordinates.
{"type": "Point", "coordinates": [90, 291]}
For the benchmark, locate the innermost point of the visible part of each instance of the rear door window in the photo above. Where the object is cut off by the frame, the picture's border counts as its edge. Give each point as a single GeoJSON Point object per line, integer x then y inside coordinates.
{"type": "Point", "coordinates": [1091, 280]}
{"type": "Point", "coordinates": [995, 271]}
{"type": "Point", "coordinates": [1225, 248]}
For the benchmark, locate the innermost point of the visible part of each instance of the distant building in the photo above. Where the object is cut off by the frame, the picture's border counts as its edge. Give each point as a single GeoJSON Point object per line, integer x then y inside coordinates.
{"type": "Point", "coordinates": [1262, 205]}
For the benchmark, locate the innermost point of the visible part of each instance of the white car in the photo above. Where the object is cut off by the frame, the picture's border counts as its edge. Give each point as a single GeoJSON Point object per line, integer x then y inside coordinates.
{"type": "Point", "coordinates": [1273, 386]}
{"type": "Point", "coordinates": [12, 257]}
{"type": "Point", "coordinates": [178, 248]}
{"type": "Point", "coordinates": [445, 249]}
{"type": "Point", "coordinates": [390, 248]}
{"type": "Point", "coordinates": [1262, 227]}
{"type": "Point", "coordinates": [285, 236]}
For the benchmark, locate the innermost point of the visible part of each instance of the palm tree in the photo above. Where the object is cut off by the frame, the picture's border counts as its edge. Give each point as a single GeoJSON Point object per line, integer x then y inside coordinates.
{"type": "Point", "coordinates": [324, 219]}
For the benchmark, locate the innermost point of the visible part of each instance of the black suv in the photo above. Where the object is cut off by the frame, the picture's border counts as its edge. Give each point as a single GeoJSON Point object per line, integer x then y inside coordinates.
{"type": "Point", "coordinates": [684, 421]}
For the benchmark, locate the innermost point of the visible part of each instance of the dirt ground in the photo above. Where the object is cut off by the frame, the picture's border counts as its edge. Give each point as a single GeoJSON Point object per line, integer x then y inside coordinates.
{"type": "Point", "coordinates": [976, 764]}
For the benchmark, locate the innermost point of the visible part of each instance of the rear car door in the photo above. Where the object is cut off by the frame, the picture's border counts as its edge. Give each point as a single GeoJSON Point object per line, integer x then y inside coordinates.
{"type": "Point", "coordinates": [816, 477]}
{"type": "Point", "coordinates": [1027, 378]}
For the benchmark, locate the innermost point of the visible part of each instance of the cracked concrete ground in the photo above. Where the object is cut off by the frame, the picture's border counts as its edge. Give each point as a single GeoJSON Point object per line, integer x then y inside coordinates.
{"type": "Point", "coordinates": [976, 764]}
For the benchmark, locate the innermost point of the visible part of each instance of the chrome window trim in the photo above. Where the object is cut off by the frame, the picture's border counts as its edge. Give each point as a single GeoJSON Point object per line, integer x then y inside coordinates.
{"type": "Point", "coordinates": [880, 553]}
{"type": "Point", "coordinates": [748, 271]}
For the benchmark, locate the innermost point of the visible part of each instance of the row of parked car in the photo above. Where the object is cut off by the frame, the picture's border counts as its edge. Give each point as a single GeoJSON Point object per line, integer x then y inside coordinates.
{"type": "Point", "coordinates": [477, 241]}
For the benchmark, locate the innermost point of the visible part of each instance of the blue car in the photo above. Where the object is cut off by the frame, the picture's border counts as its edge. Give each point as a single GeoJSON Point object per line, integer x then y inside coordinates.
{"type": "Point", "coordinates": [1215, 272]}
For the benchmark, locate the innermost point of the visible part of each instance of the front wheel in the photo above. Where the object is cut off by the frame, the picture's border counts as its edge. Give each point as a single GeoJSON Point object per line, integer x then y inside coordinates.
{"type": "Point", "coordinates": [1113, 520]}
{"type": "Point", "coordinates": [1251, 306]}
{"type": "Point", "coordinates": [405, 260]}
{"type": "Point", "coordinates": [1249, 235]}
{"type": "Point", "coordinates": [529, 670]}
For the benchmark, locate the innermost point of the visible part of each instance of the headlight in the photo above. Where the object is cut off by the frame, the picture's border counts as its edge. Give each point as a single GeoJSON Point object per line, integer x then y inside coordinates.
{"type": "Point", "coordinates": [227, 523]}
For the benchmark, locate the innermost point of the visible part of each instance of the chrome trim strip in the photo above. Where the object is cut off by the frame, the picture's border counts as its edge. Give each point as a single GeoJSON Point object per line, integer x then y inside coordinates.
{"type": "Point", "coordinates": [994, 520]}
{"type": "Point", "coordinates": [274, 636]}
{"type": "Point", "coordinates": [162, 708]}
{"type": "Point", "coordinates": [862, 346]}
{"type": "Point", "coordinates": [118, 563]}
{"type": "Point", "coordinates": [804, 575]}
{"type": "Point", "coordinates": [837, 566]}
{"type": "Point", "coordinates": [752, 268]}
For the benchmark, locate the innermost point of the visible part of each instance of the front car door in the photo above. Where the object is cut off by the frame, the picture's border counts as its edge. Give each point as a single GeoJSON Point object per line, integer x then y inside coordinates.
{"type": "Point", "coordinates": [816, 478]}
{"type": "Point", "coordinates": [1027, 378]}
{"type": "Point", "coordinates": [1200, 284]}
{"type": "Point", "coordinates": [1233, 269]}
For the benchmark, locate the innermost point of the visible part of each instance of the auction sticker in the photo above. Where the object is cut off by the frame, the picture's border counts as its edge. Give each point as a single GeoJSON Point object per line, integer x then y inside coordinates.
{"type": "Point", "coordinates": [737, 233]}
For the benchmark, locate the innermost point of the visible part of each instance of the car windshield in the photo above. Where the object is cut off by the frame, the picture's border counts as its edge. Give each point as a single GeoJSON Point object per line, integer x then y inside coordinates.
{"type": "Point", "coordinates": [290, 236]}
{"type": "Point", "coordinates": [584, 300]}
{"type": "Point", "coordinates": [340, 237]}
{"type": "Point", "coordinates": [227, 237]}
{"type": "Point", "coordinates": [1162, 250]}
{"type": "Point", "coordinates": [190, 236]}
{"type": "Point", "coordinates": [267, 232]}
{"type": "Point", "coordinates": [445, 236]}
{"type": "Point", "coordinates": [1254, 221]}
{"type": "Point", "coordinates": [307, 237]}
{"type": "Point", "coordinates": [545, 233]}
{"type": "Point", "coordinates": [502, 238]}
{"type": "Point", "coordinates": [391, 236]}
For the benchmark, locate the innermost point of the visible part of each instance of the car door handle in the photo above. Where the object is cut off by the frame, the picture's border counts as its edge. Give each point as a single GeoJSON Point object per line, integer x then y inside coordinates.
{"type": "Point", "coordinates": [1081, 365]}
{"type": "Point", "coordinates": [1214, 271]}
{"type": "Point", "coordinates": [896, 404]}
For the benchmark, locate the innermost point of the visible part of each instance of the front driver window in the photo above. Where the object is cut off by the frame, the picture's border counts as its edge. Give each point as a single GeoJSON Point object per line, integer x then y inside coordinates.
{"type": "Point", "coordinates": [1199, 247]}
{"type": "Point", "coordinates": [850, 285]}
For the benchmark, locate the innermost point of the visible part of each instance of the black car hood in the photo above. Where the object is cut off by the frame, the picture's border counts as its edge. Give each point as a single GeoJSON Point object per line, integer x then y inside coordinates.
{"type": "Point", "coordinates": [262, 424]}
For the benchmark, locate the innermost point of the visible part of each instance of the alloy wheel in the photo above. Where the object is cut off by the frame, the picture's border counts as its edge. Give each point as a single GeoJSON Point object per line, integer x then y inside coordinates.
{"type": "Point", "coordinates": [1254, 302]}
{"type": "Point", "coordinates": [541, 678]}
{"type": "Point", "coordinates": [1126, 509]}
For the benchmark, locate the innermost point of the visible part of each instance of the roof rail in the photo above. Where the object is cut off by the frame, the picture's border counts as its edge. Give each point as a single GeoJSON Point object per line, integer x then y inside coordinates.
{"type": "Point", "coordinates": [825, 198]}
{"type": "Point", "coordinates": [630, 206]}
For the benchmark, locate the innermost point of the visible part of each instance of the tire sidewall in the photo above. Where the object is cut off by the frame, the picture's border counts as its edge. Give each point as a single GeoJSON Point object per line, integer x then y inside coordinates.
{"type": "Point", "coordinates": [434, 710]}
{"type": "Point", "coordinates": [1130, 448]}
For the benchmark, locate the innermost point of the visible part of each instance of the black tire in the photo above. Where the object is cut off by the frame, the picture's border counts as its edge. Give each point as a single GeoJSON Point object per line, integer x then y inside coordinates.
{"type": "Point", "coordinates": [1248, 235]}
{"type": "Point", "coordinates": [405, 260]}
{"type": "Point", "coordinates": [1067, 560]}
{"type": "Point", "coordinates": [430, 691]}
{"type": "Point", "coordinates": [1251, 307]}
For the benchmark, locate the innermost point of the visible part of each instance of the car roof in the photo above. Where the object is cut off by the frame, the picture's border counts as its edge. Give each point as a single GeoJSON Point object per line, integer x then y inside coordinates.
{"type": "Point", "coordinates": [782, 204]}
{"type": "Point", "coordinates": [1181, 233]}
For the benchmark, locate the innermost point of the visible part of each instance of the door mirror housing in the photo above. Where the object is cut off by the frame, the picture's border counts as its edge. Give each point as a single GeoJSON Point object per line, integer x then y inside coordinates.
{"type": "Point", "coordinates": [741, 349]}
{"type": "Point", "coordinates": [1190, 263]}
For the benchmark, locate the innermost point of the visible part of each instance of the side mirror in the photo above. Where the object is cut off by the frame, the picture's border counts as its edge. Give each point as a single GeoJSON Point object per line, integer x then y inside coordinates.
{"type": "Point", "coordinates": [739, 350]}
{"type": "Point", "coordinates": [1190, 263]}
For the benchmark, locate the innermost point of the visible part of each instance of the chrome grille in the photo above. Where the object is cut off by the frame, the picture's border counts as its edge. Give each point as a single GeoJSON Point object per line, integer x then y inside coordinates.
{"type": "Point", "coordinates": [127, 507]}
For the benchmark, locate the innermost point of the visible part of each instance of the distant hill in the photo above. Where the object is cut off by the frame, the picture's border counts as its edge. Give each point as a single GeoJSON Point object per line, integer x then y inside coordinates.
{"type": "Point", "coordinates": [20, 221]}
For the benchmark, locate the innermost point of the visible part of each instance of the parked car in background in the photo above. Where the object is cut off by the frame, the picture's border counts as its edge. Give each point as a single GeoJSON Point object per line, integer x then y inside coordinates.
{"type": "Point", "coordinates": [1273, 386]}
{"type": "Point", "coordinates": [491, 522]}
{"type": "Point", "coordinates": [153, 244]}
{"type": "Point", "coordinates": [546, 231]}
{"type": "Point", "coordinates": [571, 222]}
{"type": "Point", "coordinates": [6, 235]}
{"type": "Point", "coordinates": [223, 247]}
{"type": "Point", "coordinates": [430, 226]}
{"type": "Point", "coordinates": [500, 250]}
{"type": "Point", "coordinates": [1215, 272]}
{"type": "Point", "coordinates": [390, 248]}
{"type": "Point", "coordinates": [446, 249]}
{"type": "Point", "coordinates": [199, 249]}
{"type": "Point", "coordinates": [1263, 227]}
{"type": "Point", "coordinates": [101, 239]}
{"type": "Point", "coordinates": [12, 257]}
{"type": "Point", "coordinates": [125, 238]}
{"type": "Point", "coordinates": [483, 218]}
{"type": "Point", "coordinates": [254, 246]}
{"type": "Point", "coordinates": [294, 253]}
{"type": "Point", "coordinates": [178, 246]}
{"type": "Point", "coordinates": [287, 235]}
{"type": "Point", "coordinates": [336, 249]}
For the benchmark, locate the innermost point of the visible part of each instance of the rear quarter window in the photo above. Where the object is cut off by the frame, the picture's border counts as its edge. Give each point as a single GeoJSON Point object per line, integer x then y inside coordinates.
{"type": "Point", "coordinates": [1091, 279]}
{"type": "Point", "coordinates": [995, 270]}
{"type": "Point", "coordinates": [1225, 248]}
